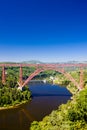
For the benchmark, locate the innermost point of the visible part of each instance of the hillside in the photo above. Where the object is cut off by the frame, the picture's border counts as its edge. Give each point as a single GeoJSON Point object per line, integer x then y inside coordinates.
{"type": "Point", "coordinates": [70, 116]}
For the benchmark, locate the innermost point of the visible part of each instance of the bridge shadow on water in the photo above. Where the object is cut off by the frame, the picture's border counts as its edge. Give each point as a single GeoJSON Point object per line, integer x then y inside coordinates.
{"type": "Point", "coordinates": [42, 95]}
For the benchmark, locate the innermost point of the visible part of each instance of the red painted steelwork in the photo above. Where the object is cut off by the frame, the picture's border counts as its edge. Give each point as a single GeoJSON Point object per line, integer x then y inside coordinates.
{"type": "Point", "coordinates": [43, 67]}
{"type": "Point", "coordinates": [81, 78]}
{"type": "Point", "coordinates": [20, 76]}
{"type": "Point", "coordinates": [36, 72]}
{"type": "Point", "coordinates": [62, 71]}
{"type": "Point", "coordinates": [3, 75]}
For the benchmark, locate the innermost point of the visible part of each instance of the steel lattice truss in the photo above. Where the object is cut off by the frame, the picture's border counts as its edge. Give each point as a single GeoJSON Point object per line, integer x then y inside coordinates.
{"type": "Point", "coordinates": [42, 67]}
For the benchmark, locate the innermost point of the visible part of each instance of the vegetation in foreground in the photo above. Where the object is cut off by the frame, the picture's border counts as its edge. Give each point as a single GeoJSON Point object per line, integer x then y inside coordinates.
{"type": "Point", "coordinates": [13, 96]}
{"type": "Point", "coordinates": [10, 96]}
{"type": "Point", "coordinates": [70, 116]}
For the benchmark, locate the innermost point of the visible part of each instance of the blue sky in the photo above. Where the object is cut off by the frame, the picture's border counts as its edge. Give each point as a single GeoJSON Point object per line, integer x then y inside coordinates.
{"type": "Point", "coordinates": [45, 30]}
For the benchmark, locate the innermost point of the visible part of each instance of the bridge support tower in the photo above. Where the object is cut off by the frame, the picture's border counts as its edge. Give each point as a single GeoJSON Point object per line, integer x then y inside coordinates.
{"type": "Point", "coordinates": [20, 76]}
{"type": "Point", "coordinates": [81, 78]}
{"type": "Point", "coordinates": [3, 75]}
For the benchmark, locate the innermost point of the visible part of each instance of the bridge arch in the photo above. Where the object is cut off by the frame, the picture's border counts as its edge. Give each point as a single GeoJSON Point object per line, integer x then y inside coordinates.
{"type": "Point", "coordinates": [60, 70]}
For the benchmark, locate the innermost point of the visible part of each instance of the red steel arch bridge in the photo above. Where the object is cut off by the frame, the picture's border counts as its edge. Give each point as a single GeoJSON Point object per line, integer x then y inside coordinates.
{"type": "Point", "coordinates": [42, 67]}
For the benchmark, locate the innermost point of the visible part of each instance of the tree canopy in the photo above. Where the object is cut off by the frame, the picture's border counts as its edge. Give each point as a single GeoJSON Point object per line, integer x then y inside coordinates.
{"type": "Point", "coordinates": [70, 116]}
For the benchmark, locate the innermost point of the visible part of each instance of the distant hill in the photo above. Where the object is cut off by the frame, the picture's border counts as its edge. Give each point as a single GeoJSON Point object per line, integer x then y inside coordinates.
{"type": "Point", "coordinates": [9, 62]}
{"type": "Point", "coordinates": [40, 62]}
{"type": "Point", "coordinates": [33, 62]}
{"type": "Point", "coordinates": [76, 62]}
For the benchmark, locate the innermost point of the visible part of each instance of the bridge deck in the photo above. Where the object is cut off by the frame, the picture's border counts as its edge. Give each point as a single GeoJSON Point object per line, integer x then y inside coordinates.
{"type": "Point", "coordinates": [43, 65]}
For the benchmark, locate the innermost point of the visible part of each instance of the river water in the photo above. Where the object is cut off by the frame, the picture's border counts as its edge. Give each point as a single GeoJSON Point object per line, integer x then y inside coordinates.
{"type": "Point", "coordinates": [45, 98]}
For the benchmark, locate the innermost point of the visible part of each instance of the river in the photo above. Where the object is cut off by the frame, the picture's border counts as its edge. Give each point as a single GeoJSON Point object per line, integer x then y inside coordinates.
{"type": "Point", "coordinates": [45, 98]}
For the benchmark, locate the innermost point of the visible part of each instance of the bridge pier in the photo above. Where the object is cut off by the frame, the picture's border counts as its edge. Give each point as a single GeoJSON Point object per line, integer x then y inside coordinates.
{"type": "Point", "coordinates": [81, 78]}
{"type": "Point", "coordinates": [42, 67]}
{"type": "Point", "coordinates": [20, 76]}
{"type": "Point", "coordinates": [3, 75]}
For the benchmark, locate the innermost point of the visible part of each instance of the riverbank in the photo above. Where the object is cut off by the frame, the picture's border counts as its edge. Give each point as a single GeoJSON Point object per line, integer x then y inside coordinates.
{"type": "Point", "coordinates": [45, 98]}
{"type": "Point", "coordinates": [71, 115]}
{"type": "Point", "coordinates": [13, 98]}
{"type": "Point", "coordinates": [61, 81]}
{"type": "Point", "coordinates": [72, 89]}
{"type": "Point", "coordinates": [14, 106]}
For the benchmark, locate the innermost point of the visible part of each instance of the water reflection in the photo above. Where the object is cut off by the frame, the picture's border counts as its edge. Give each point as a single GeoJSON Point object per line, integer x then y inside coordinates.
{"type": "Point", "coordinates": [28, 115]}
{"type": "Point", "coordinates": [46, 98]}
